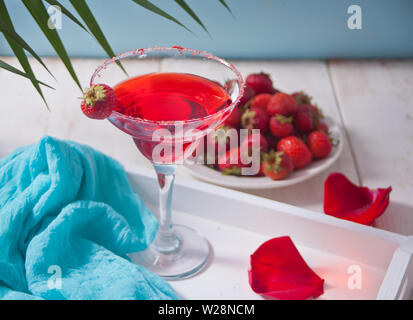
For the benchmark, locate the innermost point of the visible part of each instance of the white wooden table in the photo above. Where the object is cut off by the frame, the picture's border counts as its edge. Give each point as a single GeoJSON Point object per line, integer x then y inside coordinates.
{"type": "Point", "coordinates": [372, 100]}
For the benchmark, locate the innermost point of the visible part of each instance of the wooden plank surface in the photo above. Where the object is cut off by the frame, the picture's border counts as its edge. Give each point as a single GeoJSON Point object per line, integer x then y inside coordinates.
{"type": "Point", "coordinates": [376, 101]}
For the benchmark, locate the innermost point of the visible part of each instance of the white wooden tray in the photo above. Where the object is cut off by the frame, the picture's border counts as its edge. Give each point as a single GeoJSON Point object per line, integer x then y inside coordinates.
{"type": "Point", "coordinates": [236, 223]}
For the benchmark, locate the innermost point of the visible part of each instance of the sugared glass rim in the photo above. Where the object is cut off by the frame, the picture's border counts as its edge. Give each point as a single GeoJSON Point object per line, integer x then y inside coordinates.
{"type": "Point", "coordinates": [180, 50]}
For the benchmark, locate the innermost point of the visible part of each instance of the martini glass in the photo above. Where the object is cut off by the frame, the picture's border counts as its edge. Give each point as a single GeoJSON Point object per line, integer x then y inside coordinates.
{"type": "Point", "coordinates": [177, 251]}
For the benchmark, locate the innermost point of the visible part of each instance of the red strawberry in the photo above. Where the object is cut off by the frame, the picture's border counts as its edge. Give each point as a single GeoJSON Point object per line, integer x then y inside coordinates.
{"type": "Point", "coordinates": [255, 118]}
{"type": "Point", "coordinates": [228, 168]}
{"type": "Point", "coordinates": [213, 140]}
{"type": "Point", "coordinates": [301, 98]}
{"type": "Point", "coordinates": [213, 143]}
{"type": "Point", "coordinates": [98, 101]}
{"type": "Point", "coordinates": [276, 165]}
{"type": "Point", "coordinates": [297, 150]}
{"type": "Point", "coordinates": [281, 103]}
{"type": "Point", "coordinates": [274, 91]}
{"type": "Point", "coordinates": [314, 110]}
{"type": "Point", "coordinates": [321, 126]}
{"type": "Point", "coordinates": [281, 126]}
{"type": "Point", "coordinates": [254, 139]}
{"type": "Point", "coordinates": [261, 100]}
{"type": "Point", "coordinates": [320, 144]}
{"type": "Point", "coordinates": [303, 121]}
{"type": "Point", "coordinates": [249, 93]}
{"type": "Point", "coordinates": [272, 141]}
{"type": "Point", "coordinates": [234, 119]}
{"type": "Point", "coordinates": [260, 82]}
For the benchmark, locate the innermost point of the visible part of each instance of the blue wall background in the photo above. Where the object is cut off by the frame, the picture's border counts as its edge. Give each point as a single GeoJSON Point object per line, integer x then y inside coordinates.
{"type": "Point", "coordinates": [259, 28]}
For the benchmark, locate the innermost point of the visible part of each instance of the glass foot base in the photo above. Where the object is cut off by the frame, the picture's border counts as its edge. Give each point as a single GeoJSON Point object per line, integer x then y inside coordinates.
{"type": "Point", "coordinates": [190, 258]}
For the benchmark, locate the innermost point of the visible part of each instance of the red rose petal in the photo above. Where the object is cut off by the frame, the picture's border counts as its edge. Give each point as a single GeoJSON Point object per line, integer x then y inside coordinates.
{"type": "Point", "coordinates": [278, 271]}
{"type": "Point", "coordinates": [343, 199]}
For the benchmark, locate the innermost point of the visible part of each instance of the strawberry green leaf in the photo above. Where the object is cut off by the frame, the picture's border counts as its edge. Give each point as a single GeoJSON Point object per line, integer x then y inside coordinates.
{"type": "Point", "coordinates": [40, 15]}
{"type": "Point", "coordinates": [84, 12]}
{"type": "Point", "coordinates": [151, 7]}
{"type": "Point", "coordinates": [188, 10]}
{"type": "Point", "coordinates": [283, 120]}
{"type": "Point", "coordinates": [233, 171]}
{"type": "Point", "coordinates": [273, 160]}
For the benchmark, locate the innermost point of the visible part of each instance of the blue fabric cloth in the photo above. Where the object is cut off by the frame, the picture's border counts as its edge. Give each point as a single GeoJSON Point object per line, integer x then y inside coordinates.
{"type": "Point", "coordinates": [68, 217]}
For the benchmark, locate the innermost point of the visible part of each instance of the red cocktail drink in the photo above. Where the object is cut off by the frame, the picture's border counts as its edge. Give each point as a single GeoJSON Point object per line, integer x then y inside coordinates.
{"type": "Point", "coordinates": [169, 97]}
{"type": "Point", "coordinates": [173, 97]}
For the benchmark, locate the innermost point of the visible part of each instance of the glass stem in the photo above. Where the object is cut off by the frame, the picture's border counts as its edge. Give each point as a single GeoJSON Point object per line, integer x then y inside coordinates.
{"type": "Point", "coordinates": [166, 240]}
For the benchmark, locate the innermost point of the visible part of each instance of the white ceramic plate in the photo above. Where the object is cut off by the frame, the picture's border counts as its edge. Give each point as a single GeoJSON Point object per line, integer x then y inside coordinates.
{"type": "Point", "coordinates": [204, 173]}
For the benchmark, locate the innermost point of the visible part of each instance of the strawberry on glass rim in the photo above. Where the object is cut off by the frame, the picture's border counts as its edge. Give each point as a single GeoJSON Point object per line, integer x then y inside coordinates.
{"type": "Point", "coordinates": [99, 100]}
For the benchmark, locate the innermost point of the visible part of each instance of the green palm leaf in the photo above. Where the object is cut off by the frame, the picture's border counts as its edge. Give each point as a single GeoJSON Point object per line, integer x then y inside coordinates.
{"type": "Point", "coordinates": [40, 15]}
{"type": "Point", "coordinates": [225, 5]}
{"type": "Point", "coordinates": [66, 12]}
{"type": "Point", "coordinates": [87, 16]}
{"type": "Point", "coordinates": [9, 32]}
{"type": "Point", "coordinates": [19, 51]}
{"type": "Point", "coordinates": [10, 68]}
{"type": "Point", "coordinates": [188, 9]}
{"type": "Point", "coordinates": [151, 7]}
